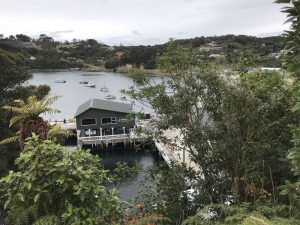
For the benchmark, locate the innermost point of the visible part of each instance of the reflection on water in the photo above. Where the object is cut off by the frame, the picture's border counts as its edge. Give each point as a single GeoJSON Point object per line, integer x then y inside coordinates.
{"type": "Point", "coordinates": [128, 188]}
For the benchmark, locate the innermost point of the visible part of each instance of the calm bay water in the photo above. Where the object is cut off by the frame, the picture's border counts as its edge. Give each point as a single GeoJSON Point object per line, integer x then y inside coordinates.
{"type": "Point", "coordinates": [128, 188]}
{"type": "Point", "coordinates": [73, 94]}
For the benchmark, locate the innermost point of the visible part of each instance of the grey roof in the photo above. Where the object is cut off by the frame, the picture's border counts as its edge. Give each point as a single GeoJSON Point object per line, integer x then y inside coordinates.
{"type": "Point", "coordinates": [105, 105]}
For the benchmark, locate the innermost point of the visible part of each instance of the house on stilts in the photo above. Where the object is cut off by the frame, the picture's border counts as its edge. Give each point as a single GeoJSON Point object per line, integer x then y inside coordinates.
{"type": "Point", "coordinates": [104, 122]}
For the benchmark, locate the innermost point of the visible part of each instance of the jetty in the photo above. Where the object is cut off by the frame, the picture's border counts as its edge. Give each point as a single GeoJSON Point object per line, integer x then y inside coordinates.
{"type": "Point", "coordinates": [173, 151]}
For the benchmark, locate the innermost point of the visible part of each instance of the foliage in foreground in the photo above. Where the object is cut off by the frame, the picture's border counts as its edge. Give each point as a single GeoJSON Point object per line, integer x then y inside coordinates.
{"type": "Point", "coordinates": [164, 192]}
{"type": "Point", "coordinates": [53, 183]}
{"type": "Point", "coordinates": [241, 214]}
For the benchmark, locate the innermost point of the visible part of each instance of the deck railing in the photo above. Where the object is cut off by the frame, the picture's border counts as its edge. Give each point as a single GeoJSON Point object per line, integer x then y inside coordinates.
{"type": "Point", "coordinates": [165, 153]}
{"type": "Point", "coordinates": [110, 137]}
{"type": "Point", "coordinates": [104, 137]}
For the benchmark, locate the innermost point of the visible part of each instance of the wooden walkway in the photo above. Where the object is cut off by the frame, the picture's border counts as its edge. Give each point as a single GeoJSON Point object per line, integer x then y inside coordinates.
{"type": "Point", "coordinates": [173, 151]}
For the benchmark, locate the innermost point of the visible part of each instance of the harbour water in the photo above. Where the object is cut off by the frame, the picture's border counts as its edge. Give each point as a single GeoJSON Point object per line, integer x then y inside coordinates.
{"type": "Point", "coordinates": [73, 94]}
{"type": "Point", "coordinates": [129, 187]}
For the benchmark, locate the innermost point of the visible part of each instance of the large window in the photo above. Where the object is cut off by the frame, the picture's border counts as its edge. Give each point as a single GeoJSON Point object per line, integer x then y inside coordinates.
{"type": "Point", "coordinates": [90, 132]}
{"type": "Point", "coordinates": [86, 122]}
{"type": "Point", "coordinates": [108, 120]}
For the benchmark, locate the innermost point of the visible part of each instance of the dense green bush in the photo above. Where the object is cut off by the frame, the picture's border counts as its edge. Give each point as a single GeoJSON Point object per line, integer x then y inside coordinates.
{"type": "Point", "coordinates": [54, 181]}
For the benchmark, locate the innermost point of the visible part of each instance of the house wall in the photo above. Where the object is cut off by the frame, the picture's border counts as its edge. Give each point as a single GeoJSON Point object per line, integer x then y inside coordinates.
{"type": "Point", "coordinates": [98, 114]}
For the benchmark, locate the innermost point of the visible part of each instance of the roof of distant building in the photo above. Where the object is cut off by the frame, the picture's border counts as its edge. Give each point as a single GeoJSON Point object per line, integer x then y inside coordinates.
{"type": "Point", "coordinates": [105, 105]}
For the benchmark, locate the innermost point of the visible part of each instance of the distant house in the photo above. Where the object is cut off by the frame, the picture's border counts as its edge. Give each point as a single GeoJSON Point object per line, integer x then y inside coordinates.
{"type": "Point", "coordinates": [270, 69]}
{"type": "Point", "coordinates": [216, 56]}
{"type": "Point", "coordinates": [212, 44]}
{"type": "Point", "coordinates": [101, 118]}
{"type": "Point", "coordinates": [100, 61]}
{"type": "Point", "coordinates": [275, 55]}
{"type": "Point", "coordinates": [210, 48]}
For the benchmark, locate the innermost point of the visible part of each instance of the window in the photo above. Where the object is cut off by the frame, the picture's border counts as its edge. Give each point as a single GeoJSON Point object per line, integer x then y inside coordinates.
{"type": "Point", "coordinates": [93, 132]}
{"type": "Point", "coordinates": [86, 122]}
{"type": "Point", "coordinates": [109, 120]}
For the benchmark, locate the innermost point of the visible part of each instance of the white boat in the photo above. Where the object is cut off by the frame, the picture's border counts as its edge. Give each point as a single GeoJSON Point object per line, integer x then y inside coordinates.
{"type": "Point", "coordinates": [90, 84]}
{"type": "Point", "coordinates": [60, 81]}
{"type": "Point", "coordinates": [109, 96]}
{"type": "Point", "coordinates": [104, 89]}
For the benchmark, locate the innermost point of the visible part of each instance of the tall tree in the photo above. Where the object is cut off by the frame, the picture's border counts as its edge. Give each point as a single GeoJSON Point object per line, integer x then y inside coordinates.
{"type": "Point", "coordinates": [292, 36]}
{"type": "Point", "coordinates": [235, 127]}
{"type": "Point", "coordinates": [291, 59]}
{"type": "Point", "coordinates": [28, 117]}
{"type": "Point", "coordinates": [23, 38]}
{"type": "Point", "coordinates": [13, 72]}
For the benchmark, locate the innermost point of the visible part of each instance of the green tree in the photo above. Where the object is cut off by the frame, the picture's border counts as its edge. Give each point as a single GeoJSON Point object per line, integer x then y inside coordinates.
{"type": "Point", "coordinates": [236, 128]}
{"type": "Point", "coordinates": [53, 183]}
{"type": "Point", "coordinates": [169, 192]}
{"type": "Point", "coordinates": [246, 62]}
{"type": "Point", "coordinates": [291, 60]}
{"type": "Point", "coordinates": [23, 38]}
{"type": "Point", "coordinates": [28, 117]}
{"type": "Point", "coordinates": [58, 135]}
{"type": "Point", "coordinates": [292, 46]}
{"type": "Point", "coordinates": [13, 73]}
{"type": "Point", "coordinates": [112, 63]}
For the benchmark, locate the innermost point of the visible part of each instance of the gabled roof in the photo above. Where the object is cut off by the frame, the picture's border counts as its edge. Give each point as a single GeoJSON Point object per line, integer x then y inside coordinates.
{"type": "Point", "coordinates": [105, 105]}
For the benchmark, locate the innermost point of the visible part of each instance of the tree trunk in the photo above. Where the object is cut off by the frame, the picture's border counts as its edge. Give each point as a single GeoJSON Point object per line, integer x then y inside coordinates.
{"type": "Point", "coordinates": [37, 126]}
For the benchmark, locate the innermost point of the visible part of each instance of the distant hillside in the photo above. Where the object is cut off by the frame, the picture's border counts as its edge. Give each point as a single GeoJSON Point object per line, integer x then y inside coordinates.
{"type": "Point", "coordinates": [46, 53]}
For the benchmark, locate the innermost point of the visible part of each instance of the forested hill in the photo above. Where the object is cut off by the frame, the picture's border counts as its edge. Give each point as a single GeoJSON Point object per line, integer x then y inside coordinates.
{"type": "Point", "coordinates": [47, 53]}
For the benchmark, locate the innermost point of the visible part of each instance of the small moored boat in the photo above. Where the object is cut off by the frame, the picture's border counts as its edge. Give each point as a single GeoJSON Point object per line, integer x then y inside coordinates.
{"type": "Point", "coordinates": [104, 89]}
{"type": "Point", "coordinates": [109, 96]}
{"type": "Point", "coordinates": [60, 81]}
{"type": "Point", "coordinates": [90, 84]}
{"type": "Point", "coordinates": [83, 82]}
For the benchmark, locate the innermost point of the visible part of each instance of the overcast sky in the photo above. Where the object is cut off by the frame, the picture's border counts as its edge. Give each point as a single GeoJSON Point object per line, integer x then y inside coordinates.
{"type": "Point", "coordinates": [134, 22]}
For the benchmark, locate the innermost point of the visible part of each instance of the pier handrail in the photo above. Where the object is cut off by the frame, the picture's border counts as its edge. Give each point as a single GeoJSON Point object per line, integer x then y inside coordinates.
{"type": "Point", "coordinates": [110, 137]}
{"type": "Point", "coordinates": [106, 137]}
{"type": "Point", "coordinates": [167, 155]}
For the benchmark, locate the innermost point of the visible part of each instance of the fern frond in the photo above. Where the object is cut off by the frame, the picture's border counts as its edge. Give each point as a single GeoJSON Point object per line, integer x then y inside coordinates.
{"type": "Point", "coordinates": [50, 99]}
{"type": "Point", "coordinates": [16, 119]}
{"type": "Point", "coordinates": [9, 140]}
{"type": "Point", "coordinates": [14, 109]}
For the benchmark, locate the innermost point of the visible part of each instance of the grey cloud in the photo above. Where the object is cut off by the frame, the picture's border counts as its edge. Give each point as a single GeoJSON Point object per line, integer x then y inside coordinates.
{"type": "Point", "coordinates": [135, 32]}
{"type": "Point", "coordinates": [61, 32]}
{"type": "Point", "coordinates": [270, 34]}
{"type": "Point", "coordinates": [129, 21]}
